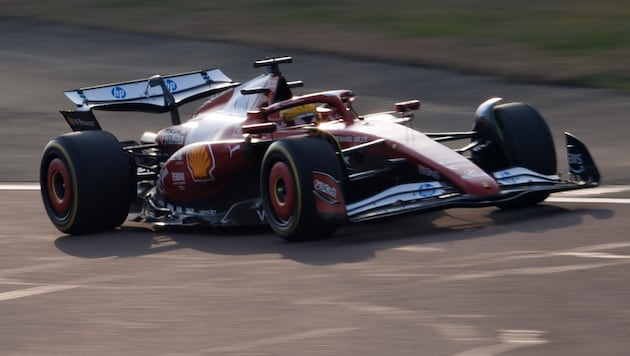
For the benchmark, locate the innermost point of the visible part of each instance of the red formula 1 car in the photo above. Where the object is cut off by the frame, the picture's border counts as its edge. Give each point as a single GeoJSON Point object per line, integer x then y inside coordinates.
{"type": "Point", "coordinates": [256, 154]}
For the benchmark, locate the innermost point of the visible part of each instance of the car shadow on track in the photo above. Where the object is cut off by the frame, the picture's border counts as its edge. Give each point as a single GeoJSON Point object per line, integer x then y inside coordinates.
{"type": "Point", "coordinates": [352, 243]}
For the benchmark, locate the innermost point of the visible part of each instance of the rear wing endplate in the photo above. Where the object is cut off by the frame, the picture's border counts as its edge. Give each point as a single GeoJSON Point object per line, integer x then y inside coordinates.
{"type": "Point", "coordinates": [157, 94]}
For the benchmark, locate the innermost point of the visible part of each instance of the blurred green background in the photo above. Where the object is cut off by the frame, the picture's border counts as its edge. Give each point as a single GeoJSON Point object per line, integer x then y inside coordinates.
{"type": "Point", "coordinates": [574, 42]}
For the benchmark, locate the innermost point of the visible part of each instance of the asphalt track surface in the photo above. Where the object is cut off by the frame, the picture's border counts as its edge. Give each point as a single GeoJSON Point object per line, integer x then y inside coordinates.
{"type": "Point", "coordinates": [550, 280]}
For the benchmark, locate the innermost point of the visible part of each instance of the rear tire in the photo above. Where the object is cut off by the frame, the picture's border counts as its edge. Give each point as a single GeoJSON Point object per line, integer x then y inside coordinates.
{"type": "Point", "coordinates": [522, 139]}
{"type": "Point", "coordinates": [87, 182]}
{"type": "Point", "coordinates": [286, 185]}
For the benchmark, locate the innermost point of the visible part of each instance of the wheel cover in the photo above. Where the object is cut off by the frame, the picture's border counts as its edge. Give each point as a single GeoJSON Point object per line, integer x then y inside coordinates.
{"type": "Point", "coordinates": [58, 186]}
{"type": "Point", "coordinates": [282, 191]}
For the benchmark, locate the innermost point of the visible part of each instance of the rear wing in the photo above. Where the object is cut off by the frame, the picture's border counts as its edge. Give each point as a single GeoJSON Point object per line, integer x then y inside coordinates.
{"type": "Point", "coordinates": [156, 94]}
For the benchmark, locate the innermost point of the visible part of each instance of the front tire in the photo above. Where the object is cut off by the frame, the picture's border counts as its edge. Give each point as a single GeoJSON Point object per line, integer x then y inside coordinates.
{"type": "Point", "coordinates": [521, 138]}
{"type": "Point", "coordinates": [286, 185]}
{"type": "Point", "coordinates": [86, 182]}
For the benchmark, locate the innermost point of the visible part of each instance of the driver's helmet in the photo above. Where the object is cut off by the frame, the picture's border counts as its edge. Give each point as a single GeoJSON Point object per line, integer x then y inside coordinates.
{"type": "Point", "coordinates": [300, 115]}
{"type": "Point", "coordinates": [327, 113]}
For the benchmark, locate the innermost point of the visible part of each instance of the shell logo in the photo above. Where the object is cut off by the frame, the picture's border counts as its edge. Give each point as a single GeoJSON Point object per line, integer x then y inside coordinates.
{"type": "Point", "coordinates": [201, 162]}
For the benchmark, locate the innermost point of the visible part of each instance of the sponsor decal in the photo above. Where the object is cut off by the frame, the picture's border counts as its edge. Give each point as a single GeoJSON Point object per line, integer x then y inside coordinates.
{"type": "Point", "coordinates": [325, 188]}
{"type": "Point", "coordinates": [119, 92]}
{"type": "Point", "coordinates": [171, 137]}
{"type": "Point", "coordinates": [470, 174]}
{"type": "Point", "coordinates": [426, 190]}
{"type": "Point", "coordinates": [178, 177]}
{"type": "Point", "coordinates": [575, 159]}
{"type": "Point", "coordinates": [456, 165]}
{"type": "Point", "coordinates": [233, 149]}
{"type": "Point", "coordinates": [428, 172]}
{"type": "Point", "coordinates": [329, 198]}
{"type": "Point", "coordinates": [81, 123]}
{"type": "Point", "coordinates": [170, 85]}
{"type": "Point", "coordinates": [261, 214]}
{"type": "Point", "coordinates": [201, 162]}
{"type": "Point", "coordinates": [80, 120]}
{"type": "Point", "coordinates": [507, 177]}
{"type": "Point", "coordinates": [352, 139]}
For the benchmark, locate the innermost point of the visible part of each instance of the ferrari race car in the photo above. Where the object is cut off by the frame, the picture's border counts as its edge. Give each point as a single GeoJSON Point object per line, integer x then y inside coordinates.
{"type": "Point", "coordinates": [254, 153]}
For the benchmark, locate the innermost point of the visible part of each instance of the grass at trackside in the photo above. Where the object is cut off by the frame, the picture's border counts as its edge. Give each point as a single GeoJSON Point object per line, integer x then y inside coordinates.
{"type": "Point", "coordinates": [570, 26]}
{"type": "Point", "coordinates": [594, 36]}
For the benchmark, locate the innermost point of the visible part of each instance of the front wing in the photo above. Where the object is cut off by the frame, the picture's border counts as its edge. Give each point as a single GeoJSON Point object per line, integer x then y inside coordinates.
{"type": "Point", "coordinates": [515, 183]}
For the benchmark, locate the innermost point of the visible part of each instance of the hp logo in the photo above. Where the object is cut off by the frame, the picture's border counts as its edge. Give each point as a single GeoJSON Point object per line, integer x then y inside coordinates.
{"type": "Point", "coordinates": [171, 85]}
{"type": "Point", "coordinates": [119, 93]}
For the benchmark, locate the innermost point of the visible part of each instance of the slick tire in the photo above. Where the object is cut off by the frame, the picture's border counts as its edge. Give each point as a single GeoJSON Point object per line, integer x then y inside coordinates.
{"type": "Point", "coordinates": [87, 182]}
{"type": "Point", "coordinates": [286, 184]}
{"type": "Point", "coordinates": [526, 142]}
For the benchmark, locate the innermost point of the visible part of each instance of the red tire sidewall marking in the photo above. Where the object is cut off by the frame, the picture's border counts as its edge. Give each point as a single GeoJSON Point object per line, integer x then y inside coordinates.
{"type": "Point", "coordinates": [283, 209]}
{"type": "Point", "coordinates": [58, 170]}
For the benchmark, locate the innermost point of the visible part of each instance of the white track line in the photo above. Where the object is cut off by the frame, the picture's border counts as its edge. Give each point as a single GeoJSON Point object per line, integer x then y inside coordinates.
{"type": "Point", "coordinates": [587, 200]}
{"type": "Point", "coordinates": [574, 196]}
{"type": "Point", "coordinates": [606, 189]}
{"type": "Point", "coordinates": [19, 186]}
{"type": "Point", "coordinates": [248, 346]}
{"type": "Point", "coordinates": [589, 196]}
{"type": "Point", "coordinates": [33, 291]}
